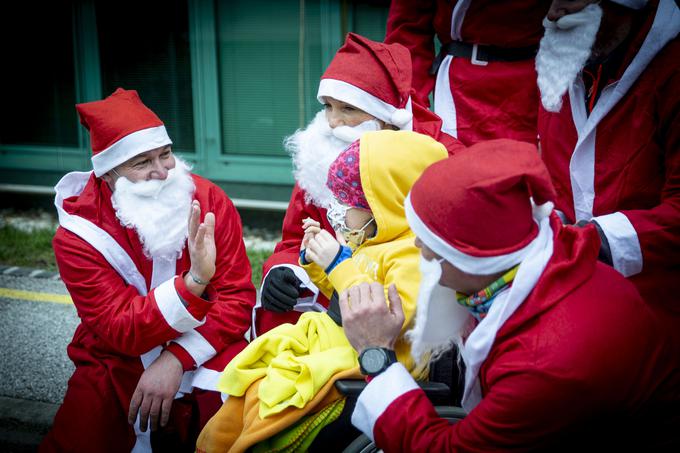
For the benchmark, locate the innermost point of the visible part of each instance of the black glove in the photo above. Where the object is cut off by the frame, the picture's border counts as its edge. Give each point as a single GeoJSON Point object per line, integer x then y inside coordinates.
{"type": "Point", "coordinates": [280, 290]}
{"type": "Point", "coordinates": [605, 254]}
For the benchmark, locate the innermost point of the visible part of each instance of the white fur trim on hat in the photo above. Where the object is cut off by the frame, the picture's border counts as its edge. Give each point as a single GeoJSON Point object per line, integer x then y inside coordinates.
{"type": "Point", "coordinates": [633, 4]}
{"type": "Point", "coordinates": [128, 147]}
{"type": "Point", "coordinates": [346, 92]}
{"type": "Point", "coordinates": [475, 265]}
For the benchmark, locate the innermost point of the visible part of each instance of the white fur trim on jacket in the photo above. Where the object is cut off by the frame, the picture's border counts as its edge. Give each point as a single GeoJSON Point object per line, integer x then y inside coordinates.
{"type": "Point", "coordinates": [173, 310]}
{"type": "Point", "coordinates": [345, 92]}
{"type": "Point", "coordinates": [624, 244]}
{"type": "Point", "coordinates": [197, 346]}
{"type": "Point", "coordinates": [379, 394]}
{"type": "Point", "coordinates": [457, 19]}
{"type": "Point", "coordinates": [444, 105]}
{"type": "Point", "coordinates": [128, 147]}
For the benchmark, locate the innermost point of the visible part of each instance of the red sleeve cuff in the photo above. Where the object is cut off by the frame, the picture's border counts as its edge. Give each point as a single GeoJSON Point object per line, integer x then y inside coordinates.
{"type": "Point", "coordinates": [197, 306]}
{"type": "Point", "coordinates": [182, 355]}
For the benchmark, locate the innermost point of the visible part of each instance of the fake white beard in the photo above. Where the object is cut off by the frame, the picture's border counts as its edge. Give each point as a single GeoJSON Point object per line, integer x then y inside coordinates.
{"type": "Point", "coordinates": [314, 149]}
{"type": "Point", "coordinates": [158, 210]}
{"type": "Point", "coordinates": [440, 321]}
{"type": "Point", "coordinates": [563, 52]}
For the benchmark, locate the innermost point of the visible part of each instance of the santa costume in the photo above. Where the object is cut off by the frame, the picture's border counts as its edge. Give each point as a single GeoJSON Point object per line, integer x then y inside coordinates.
{"type": "Point", "coordinates": [133, 304]}
{"type": "Point", "coordinates": [567, 353]}
{"type": "Point", "coordinates": [483, 78]}
{"type": "Point", "coordinates": [373, 77]}
{"type": "Point", "coordinates": [616, 159]}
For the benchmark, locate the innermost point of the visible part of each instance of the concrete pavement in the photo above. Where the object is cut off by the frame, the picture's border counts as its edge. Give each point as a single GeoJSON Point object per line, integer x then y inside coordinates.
{"type": "Point", "coordinates": [37, 323]}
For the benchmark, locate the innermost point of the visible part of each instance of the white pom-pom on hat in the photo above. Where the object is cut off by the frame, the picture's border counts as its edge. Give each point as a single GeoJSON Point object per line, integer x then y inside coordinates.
{"type": "Point", "coordinates": [400, 118]}
{"type": "Point", "coordinates": [541, 211]}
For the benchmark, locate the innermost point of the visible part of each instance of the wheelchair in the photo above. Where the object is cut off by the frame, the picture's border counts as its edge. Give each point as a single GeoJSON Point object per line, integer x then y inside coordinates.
{"type": "Point", "coordinates": [444, 389]}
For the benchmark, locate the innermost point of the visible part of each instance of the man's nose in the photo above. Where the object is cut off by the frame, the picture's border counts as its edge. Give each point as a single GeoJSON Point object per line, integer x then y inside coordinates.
{"type": "Point", "coordinates": [560, 8]}
{"type": "Point", "coordinates": [334, 120]}
{"type": "Point", "coordinates": [159, 171]}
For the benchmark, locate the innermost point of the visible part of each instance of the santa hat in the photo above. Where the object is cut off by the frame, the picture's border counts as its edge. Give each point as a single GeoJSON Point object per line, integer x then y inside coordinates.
{"type": "Point", "coordinates": [633, 4]}
{"type": "Point", "coordinates": [121, 127]}
{"type": "Point", "coordinates": [344, 179]}
{"type": "Point", "coordinates": [371, 76]}
{"type": "Point", "coordinates": [475, 209]}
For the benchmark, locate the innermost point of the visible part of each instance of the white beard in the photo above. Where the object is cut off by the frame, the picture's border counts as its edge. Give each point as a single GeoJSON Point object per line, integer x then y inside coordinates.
{"type": "Point", "coordinates": [158, 210]}
{"type": "Point", "coordinates": [563, 52]}
{"type": "Point", "coordinates": [440, 321]}
{"type": "Point", "coordinates": [314, 149]}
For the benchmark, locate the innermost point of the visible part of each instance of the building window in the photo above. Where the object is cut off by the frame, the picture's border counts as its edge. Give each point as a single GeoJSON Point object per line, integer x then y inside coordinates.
{"type": "Point", "coordinates": [269, 61]}
{"type": "Point", "coordinates": [38, 99]}
{"type": "Point", "coordinates": [145, 46]}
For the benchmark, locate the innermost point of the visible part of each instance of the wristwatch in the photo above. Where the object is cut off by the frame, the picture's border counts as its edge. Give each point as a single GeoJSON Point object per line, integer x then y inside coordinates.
{"type": "Point", "coordinates": [374, 361]}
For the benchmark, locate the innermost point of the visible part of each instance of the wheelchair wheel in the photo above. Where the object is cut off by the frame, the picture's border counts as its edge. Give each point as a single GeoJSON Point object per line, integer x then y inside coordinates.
{"type": "Point", "coordinates": [363, 444]}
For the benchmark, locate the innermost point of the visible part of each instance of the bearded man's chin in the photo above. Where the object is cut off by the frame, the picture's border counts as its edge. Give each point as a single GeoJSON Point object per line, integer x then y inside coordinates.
{"type": "Point", "coordinates": [161, 221]}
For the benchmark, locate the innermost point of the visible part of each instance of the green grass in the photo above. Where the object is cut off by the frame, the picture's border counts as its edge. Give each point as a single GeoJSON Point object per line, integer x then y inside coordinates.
{"type": "Point", "coordinates": [34, 250]}
{"type": "Point", "coordinates": [256, 260]}
{"type": "Point", "coordinates": [19, 248]}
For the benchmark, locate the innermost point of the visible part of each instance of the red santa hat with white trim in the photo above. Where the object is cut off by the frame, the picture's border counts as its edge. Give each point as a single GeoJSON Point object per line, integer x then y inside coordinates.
{"type": "Point", "coordinates": [121, 127]}
{"type": "Point", "coordinates": [373, 77]}
{"type": "Point", "coordinates": [479, 209]}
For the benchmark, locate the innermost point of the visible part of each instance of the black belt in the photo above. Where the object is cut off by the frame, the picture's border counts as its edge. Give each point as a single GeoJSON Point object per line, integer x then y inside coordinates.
{"type": "Point", "coordinates": [481, 55]}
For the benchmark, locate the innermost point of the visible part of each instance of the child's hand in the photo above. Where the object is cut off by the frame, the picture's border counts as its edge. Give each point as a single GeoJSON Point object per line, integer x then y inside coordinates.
{"type": "Point", "coordinates": [311, 228]}
{"type": "Point", "coordinates": [322, 249]}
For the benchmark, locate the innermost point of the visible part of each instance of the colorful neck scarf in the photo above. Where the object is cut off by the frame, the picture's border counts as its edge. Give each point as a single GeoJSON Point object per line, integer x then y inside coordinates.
{"type": "Point", "coordinates": [480, 302]}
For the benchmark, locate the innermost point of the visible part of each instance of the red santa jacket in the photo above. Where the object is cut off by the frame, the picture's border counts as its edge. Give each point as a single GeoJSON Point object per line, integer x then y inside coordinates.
{"type": "Point", "coordinates": [123, 319]}
{"type": "Point", "coordinates": [476, 103]}
{"type": "Point", "coordinates": [621, 164]}
{"type": "Point", "coordinates": [287, 251]}
{"type": "Point", "coordinates": [582, 356]}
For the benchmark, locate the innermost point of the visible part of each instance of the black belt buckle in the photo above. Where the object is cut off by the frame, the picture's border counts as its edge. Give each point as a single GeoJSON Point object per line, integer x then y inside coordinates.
{"type": "Point", "coordinates": [478, 56]}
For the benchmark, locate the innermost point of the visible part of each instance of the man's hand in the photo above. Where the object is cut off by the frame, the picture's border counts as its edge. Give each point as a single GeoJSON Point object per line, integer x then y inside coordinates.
{"type": "Point", "coordinates": [322, 249]}
{"type": "Point", "coordinates": [156, 391]}
{"type": "Point", "coordinates": [366, 318]}
{"type": "Point", "coordinates": [280, 290]}
{"type": "Point", "coordinates": [202, 250]}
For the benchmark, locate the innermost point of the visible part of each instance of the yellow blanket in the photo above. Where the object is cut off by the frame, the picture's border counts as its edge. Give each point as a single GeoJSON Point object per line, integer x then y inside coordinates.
{"type": "Point", "coordinates": [238, 426]}
{"type": "Point", "coordinates": [293, 362]}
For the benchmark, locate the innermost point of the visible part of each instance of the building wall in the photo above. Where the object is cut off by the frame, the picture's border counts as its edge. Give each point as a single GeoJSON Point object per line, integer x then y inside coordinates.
{"type": "Point", "coordinates": [230, 79]}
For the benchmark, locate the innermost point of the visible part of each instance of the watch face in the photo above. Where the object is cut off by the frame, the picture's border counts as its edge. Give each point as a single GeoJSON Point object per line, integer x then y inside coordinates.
{"type": "Point", "coordinates": [373, 360]}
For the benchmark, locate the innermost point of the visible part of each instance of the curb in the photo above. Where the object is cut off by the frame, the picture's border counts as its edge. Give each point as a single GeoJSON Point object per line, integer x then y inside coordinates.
{"type": "Point", "coordinates": [17, 271]}
{"type": "Point", "coordinates": [24, 423]}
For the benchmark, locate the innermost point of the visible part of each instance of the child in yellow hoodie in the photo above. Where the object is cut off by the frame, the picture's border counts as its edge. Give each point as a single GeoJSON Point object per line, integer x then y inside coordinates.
{"type": "Point", "coordinates": [288, 373]}
{"type": "Point", "coordinates": [373, 242]}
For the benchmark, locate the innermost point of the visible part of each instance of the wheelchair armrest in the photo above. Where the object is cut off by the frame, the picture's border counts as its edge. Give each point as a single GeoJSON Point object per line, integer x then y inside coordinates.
{"type": "Point", "coordinates": [438, 393]}
{"type": "Point", "coordinates": [350, 387]}
{"type": "Point", "coordinates": [452, 413]}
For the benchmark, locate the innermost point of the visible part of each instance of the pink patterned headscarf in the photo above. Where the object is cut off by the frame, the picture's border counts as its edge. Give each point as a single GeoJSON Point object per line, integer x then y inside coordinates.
{"type": "Point", "coordinates": [344, 179]}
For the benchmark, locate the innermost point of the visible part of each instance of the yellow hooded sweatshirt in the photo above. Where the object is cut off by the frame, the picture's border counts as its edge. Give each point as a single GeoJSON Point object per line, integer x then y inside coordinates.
{"type": "Point", "coordinates": [289, 372]}
{"type": "Point", "coordinates": [390, 162]}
